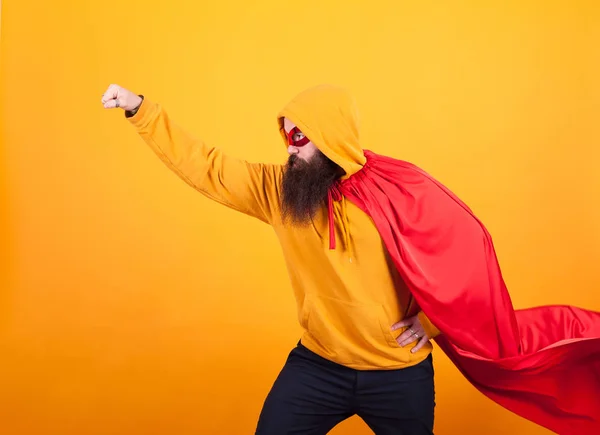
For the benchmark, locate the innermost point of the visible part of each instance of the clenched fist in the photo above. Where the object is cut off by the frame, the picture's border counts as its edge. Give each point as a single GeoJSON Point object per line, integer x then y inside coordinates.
{"type": "Point", "coordinates": [116, 96]}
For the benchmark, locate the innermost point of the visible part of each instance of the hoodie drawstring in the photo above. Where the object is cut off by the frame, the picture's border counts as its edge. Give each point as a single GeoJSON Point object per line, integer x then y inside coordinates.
{"type": "Point", "coordinates": [335, 194]}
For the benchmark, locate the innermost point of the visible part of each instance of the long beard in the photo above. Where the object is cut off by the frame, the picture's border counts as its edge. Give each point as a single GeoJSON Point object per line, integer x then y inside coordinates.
{"type": "Point", "coordinates": [305, 186]}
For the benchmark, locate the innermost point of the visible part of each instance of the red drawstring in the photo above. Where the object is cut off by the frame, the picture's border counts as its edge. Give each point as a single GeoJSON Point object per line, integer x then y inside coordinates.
{"type": "Point", "coordinates": [333, 194]}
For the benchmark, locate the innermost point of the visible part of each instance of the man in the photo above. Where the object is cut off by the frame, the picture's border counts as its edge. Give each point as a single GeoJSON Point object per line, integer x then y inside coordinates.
{"type": "Point", "coordinates": [372, 244]}
{"type": "Point", "coordinates": [349, 360]}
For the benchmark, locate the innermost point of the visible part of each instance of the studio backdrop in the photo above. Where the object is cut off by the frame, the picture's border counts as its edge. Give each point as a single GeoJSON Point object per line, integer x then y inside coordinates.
{"type": "Point", "coordinates": [132, 305]}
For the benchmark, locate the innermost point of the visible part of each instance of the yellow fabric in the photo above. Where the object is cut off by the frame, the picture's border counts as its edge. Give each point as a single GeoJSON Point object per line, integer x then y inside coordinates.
{"type": "Point", "coordinates": [347, 298]}
{"type": "Point", "coordinates": [328, 116]}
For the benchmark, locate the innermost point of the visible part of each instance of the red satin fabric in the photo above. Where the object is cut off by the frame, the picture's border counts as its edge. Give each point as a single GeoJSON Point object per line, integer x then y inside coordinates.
{"type": "Point", "coordinates": [541, 363]}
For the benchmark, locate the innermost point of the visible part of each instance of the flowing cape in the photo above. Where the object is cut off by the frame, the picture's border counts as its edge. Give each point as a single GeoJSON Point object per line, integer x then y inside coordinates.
{"type": "Point", "coordinates": [542, 363]}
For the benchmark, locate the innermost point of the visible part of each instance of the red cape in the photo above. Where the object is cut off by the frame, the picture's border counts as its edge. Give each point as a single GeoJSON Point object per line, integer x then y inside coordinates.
{"type": "Point", "coordinates": [541, 363]}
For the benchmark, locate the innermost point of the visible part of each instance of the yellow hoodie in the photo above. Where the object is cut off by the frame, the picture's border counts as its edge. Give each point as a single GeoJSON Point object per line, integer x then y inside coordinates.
{"type": "Point", "coordinates": [347, 297]}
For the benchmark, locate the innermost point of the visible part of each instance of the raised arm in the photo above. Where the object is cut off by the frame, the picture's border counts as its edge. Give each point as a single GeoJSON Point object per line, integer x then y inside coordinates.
{"type": "Point", "coordinates": [250, 188]}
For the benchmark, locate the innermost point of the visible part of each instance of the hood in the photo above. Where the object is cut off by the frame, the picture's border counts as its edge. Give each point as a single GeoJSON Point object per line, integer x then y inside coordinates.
{"type": "Point", "coordinates": [328, 116]}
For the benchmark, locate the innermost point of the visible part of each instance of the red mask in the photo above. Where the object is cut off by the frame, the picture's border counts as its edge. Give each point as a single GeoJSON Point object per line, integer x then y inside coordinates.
{"type": "Point", "coordinates": [297, 143]}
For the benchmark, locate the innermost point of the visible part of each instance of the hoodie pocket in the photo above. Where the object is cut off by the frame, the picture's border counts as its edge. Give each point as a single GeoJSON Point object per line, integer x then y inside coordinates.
{"type": "Point", "coordinates": [348, 332]}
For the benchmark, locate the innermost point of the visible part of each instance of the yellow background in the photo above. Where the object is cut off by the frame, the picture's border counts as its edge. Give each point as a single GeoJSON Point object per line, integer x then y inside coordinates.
{"type": "Point", "coordinates": [130, 304]}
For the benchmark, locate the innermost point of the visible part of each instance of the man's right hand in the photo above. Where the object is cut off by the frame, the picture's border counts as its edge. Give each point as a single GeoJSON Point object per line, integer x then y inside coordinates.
{"type": "Point", "coordinates": [116, 96]}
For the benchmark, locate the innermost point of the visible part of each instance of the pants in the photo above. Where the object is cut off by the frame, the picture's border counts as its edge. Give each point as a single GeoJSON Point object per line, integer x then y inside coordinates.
{"type": "Point", "coordinates": [311, 395]}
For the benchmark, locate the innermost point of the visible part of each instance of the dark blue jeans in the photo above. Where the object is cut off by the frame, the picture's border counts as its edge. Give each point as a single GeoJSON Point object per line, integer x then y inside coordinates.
{"type": "Point", "coordinates": [311, 395]}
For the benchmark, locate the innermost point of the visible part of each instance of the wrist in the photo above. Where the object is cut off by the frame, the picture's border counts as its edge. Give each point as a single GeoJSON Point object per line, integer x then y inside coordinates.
{"type": "Point", "coordinates": [132, 112]}
{"type": "Point", "coordinates": [430, 329]}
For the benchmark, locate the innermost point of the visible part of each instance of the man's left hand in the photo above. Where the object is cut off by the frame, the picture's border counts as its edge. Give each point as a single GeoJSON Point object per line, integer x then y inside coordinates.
{"type": "Point", "coordinates": [415, 332]}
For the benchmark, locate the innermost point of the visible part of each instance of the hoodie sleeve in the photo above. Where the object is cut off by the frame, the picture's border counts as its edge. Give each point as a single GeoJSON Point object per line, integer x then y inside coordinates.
{"type": "Point", "coordinates": [249, 188]}
{"type": "Point", "coordinates": [429, 327]}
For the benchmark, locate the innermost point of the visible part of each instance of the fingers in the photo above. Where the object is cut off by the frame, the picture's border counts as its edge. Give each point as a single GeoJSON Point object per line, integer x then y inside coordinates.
{"type": "Point", "coordinates": [110, 93]}
{"type": "Point", "coordinates": [400, 324]}
{"type": "Point", "coordinates": [406, 322]}
{"type": "Point", "coordinates": [407, 337]}
{"type": "Point", "coordinates": [111, 104]}
{"type": "Point", "coordinates": [110, 98]}
{"type": "Point", "coordinates": [413, 333]}
{"type": "Point", "coordinates": [420, 344]}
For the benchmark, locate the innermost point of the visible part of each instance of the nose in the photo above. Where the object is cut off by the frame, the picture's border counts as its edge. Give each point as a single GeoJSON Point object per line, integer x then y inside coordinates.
{"type": "Point", "coordinates": [293, 150]}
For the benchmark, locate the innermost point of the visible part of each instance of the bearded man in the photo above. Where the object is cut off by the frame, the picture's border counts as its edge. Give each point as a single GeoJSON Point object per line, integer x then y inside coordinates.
{"type": "Point", "coordinates": [382, 259]}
